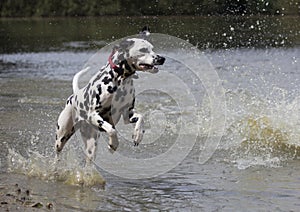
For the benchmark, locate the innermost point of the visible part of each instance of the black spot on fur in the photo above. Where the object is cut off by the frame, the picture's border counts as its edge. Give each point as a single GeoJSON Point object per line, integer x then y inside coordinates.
{"type": "Point", "coordinates": [69, 100]}
{"type": "Point", "coordinates": [111, 73]}
{"type": "Point", "coordinates": [98, 107]}
{"type": "Point", "coordinates": [132, 104]}
{"type": "Point", "coordinates": [87, 90]}
{"type": "Point", "coordinates": [144, 50]}
{"type": "Point", "coordinates": [99, 89]}
{"type": "Point", "coordinates": [128, 68]}
{"type": "Point", "coordinates": [106, 80]}
{"type": "Point", "coordinates": [130, 114]}
{"type": "Point", "coordinates": [83, 114]}
{"type": "Point", "coordinates": [121, 56]}
{"type": "Point", "coordinates": [120, 93]}
{"type": "Point", "coordinates": [86, 103]}
{"type": "Point", "coordinates": [126, 44]}
{"type": "Point", "coordinates": [93, 95]}
{"type": "Point", "coordinates": [100, 122]}
{"type": "Point", "coordinates": [134, 120]}
{"type": "Point", "coordinates": [97, 99]}
{"type": "Point", "coordinates": [101, 130]}
{"type": "Point", "coordinates": [119, 71]}
{"type": "Point", "coordinates": [111, 89]}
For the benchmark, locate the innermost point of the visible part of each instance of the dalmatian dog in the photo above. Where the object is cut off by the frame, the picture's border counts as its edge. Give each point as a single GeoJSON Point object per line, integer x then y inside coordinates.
{"type": "Point", "coordinates": [108, 95]}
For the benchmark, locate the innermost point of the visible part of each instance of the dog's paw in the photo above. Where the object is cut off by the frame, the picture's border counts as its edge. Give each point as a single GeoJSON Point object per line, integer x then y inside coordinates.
{"type": "Point", "coordinates": [137, 136]}
{"type": "Point", "coordinates": [113, 142]}
{"type": "Point", "coordinates": [111, 149]}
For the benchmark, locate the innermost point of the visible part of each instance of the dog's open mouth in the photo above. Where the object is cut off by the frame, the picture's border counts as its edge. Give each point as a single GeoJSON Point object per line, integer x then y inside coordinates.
{"type": "Point", "coordinates": [151, 67]}
{"type": "Point", "coordinates": [148, 67]}
{"type": "Point", "coordinates": [145, 66]}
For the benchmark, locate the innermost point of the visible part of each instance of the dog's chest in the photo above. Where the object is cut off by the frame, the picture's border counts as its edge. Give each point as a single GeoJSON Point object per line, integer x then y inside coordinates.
{"type": "Point", "coordinates": [107, 95]}
{"type": "Point", "coordinates": [121, 102]}
{"type": "Point", "coordinates": [124, 92]}
{"type": "Point", "coordinates": [112, 97]}
{"type": "Point", "coordinates": [123, 97]}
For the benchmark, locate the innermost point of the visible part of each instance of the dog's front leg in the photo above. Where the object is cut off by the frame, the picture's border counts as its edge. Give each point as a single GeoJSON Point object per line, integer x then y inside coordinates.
{"type": "Point", "coordinates": [98, 121]}
{"type": "Point", "coordinates": [139, 131]}
{"type": "Point", "coordinates": [89, 136]}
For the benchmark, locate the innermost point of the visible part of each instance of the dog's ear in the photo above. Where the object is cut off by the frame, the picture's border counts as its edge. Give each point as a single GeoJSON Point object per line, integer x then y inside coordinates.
{"type": "Point", "coordinates": [126, 44]}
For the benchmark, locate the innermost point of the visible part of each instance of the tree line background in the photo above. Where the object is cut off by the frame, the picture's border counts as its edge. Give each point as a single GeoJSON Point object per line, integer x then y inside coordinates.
{"type": "Point", "coordinates": [61, 8]}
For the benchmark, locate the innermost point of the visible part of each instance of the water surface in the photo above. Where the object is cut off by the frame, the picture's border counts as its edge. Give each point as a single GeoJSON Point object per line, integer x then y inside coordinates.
{"type": "Point", "coordinates": [256, 165]}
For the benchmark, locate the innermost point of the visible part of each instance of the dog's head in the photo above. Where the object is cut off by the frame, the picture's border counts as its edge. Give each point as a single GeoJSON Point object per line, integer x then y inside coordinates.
{"type": "Point", "coordinates": [138, 55]}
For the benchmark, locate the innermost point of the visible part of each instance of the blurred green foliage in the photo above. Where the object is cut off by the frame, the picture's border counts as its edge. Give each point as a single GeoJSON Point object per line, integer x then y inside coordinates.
{"type": "Point", "coordinates": [47, 8]}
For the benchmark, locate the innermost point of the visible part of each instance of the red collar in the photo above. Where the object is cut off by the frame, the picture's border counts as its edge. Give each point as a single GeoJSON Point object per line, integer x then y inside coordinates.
{"type": "Point", "coordinates": [111, 63]}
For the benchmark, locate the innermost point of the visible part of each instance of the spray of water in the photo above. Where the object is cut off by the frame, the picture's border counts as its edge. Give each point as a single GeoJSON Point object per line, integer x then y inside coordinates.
{"type": "Point", "coordinates": [68, 169]}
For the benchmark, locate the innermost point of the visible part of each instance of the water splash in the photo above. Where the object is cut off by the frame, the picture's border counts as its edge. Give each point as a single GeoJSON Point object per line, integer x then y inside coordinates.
{"type": "Point", "coordinates": [262, 132]}
{"type": "Point", "coordinates": [67, 169]}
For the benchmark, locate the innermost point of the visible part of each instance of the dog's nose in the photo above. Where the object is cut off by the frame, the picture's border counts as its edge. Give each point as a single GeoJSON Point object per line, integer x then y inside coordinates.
{"type": "Point", "coordinates": [160, 60]}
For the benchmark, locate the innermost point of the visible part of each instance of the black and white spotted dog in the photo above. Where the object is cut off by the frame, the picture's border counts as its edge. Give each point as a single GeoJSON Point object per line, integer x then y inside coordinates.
{"type": "Point", "coordinates": [108, 96]}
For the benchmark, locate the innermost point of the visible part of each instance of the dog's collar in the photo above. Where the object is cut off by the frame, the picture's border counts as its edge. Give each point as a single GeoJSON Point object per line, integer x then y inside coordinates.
{"type": "Point", "coordinates": [111, 63]}
{"type": "Point", "coordinates": [118, 68]}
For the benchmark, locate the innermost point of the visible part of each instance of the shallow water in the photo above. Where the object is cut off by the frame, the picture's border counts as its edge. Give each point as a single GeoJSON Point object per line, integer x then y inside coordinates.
{"type": "Point", "coordinates": [254, 168]}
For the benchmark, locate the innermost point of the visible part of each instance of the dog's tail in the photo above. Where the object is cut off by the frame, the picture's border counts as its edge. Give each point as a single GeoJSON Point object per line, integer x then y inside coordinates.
{"type": "Point", "coordinates": [76, 79]}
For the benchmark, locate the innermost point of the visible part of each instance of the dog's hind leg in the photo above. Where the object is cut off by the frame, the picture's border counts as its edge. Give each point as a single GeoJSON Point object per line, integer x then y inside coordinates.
{"type": "Point", "coordinates": [65, 126]}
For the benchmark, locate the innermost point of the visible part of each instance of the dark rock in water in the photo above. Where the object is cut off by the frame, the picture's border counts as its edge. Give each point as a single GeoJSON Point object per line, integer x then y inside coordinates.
{"type": "Point", "coordinates": [20, 200]}
{"type": "Point", "coordinates": [49, 205]}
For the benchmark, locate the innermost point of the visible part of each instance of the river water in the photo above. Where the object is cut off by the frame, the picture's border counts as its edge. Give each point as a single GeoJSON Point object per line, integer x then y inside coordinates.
{"type": "Point", "coordinates": [255, 165]}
